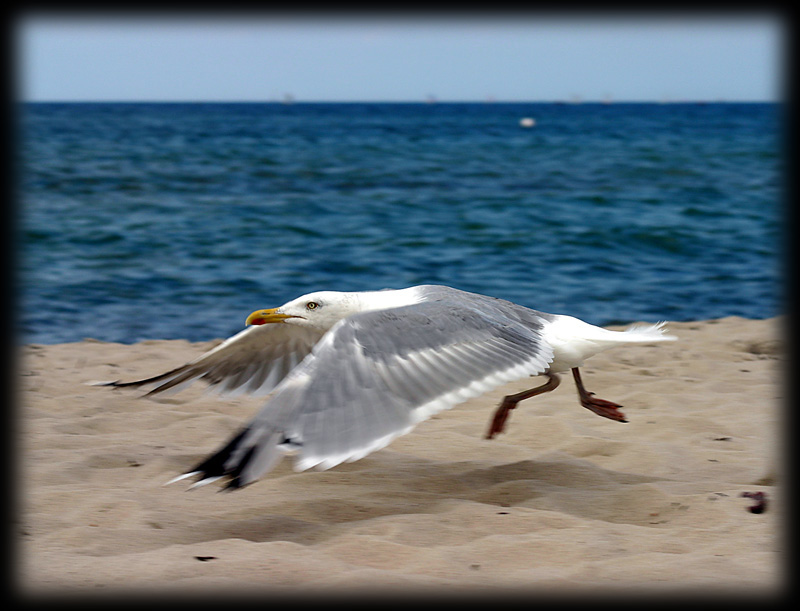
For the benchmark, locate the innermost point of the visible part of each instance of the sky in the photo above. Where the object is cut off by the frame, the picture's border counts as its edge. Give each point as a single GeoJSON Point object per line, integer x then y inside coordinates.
{"type": "Point", "coordinates": [523, 57]}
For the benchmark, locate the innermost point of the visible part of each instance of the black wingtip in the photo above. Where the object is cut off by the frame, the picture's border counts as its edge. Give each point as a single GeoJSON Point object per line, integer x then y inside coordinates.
{"type": "Point", "coordinates": [229, 464]}
{"type": "Point", "coordinates": [232, 485]}
{"type": "Point", "coordinates": [235, 482]}
{"type": "Point", "coordinates": [214, 465]}
{"type": "Point", "coordinates": [103, 383]}
{"type": "Point", "coordinates": [119, 384]}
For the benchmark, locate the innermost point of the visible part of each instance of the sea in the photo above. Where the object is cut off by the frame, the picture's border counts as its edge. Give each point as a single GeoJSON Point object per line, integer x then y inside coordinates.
{"type": "Point", "coordinates": [140, 221]}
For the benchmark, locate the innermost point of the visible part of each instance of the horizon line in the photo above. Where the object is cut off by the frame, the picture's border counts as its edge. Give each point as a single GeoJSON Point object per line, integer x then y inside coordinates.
{"type": "Point", "coordinates": [428, 102]}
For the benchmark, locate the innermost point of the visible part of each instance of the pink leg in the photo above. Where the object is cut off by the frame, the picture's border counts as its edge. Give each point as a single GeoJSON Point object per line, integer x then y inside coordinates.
{"type": "Point", "coordinates": [510, 402]}
{"type": "Point", "coordinates": [601, 407]}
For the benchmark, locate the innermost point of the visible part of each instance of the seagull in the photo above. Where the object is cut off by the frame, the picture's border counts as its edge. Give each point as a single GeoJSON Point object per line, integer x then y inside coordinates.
{"type": "Point", "coordinates": [345, 373]}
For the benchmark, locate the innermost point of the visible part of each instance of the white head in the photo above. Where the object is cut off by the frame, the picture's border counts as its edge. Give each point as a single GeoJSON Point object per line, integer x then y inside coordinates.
{"type": "Point", "coordinates": [319, 311]}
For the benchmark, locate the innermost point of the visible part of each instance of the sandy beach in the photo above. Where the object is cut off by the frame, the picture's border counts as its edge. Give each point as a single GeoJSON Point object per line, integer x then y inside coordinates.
{"type": "Point", "coordinates": [563, 502]}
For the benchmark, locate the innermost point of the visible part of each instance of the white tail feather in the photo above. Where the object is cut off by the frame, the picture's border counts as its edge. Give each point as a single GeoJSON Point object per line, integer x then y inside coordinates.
{"type": "Point", "coordinates": [574, 340]}
{"type": "Point", "coordinates": [649, 333]}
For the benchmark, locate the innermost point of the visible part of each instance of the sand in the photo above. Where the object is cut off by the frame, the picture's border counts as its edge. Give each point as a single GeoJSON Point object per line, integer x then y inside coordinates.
{"type": "Point", "coordinates": [563, 502]}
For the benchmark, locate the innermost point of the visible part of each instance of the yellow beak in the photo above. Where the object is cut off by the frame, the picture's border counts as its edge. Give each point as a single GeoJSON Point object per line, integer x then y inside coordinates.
{"type": "Point", "coordinates": [262, 317]}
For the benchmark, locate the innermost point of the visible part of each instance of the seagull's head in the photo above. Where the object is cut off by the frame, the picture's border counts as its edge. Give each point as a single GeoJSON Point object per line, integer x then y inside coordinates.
{"type": "Point", "coordinates": [320, 311]}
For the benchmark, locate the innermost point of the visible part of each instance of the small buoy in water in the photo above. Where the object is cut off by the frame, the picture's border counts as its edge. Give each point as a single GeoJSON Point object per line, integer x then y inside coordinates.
{"type": "Point", "coordinates": [527, 122]}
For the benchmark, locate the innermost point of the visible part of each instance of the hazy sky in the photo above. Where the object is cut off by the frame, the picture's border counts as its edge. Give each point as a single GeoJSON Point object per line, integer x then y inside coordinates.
{"type": "Point", "coordinates": [521, 57]}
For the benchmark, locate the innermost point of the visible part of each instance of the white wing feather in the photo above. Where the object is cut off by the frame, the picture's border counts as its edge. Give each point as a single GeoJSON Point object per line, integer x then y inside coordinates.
{"type": "Point", "coordinates": [372, 378]}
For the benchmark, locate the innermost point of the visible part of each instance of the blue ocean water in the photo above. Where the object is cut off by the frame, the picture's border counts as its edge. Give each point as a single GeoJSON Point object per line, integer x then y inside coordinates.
{"type": "Point", "coordinates": [142, 221]}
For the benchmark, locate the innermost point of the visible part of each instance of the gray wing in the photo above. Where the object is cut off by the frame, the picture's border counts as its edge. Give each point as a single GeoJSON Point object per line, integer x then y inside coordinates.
{"type": "Point", "coordinates": [254, 361]}
{"type": "Point", "coordinates": [373, 377]}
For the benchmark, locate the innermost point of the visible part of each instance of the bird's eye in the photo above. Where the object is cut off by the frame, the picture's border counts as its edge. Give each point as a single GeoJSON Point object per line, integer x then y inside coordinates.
{"type": "Point", "coordinates": [312, 305]}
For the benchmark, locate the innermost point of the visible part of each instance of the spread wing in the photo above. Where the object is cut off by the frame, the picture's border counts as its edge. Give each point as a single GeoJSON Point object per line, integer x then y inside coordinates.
{"type": "Point", "coordinates": [254, 361]}
{"type": "Point", "coordinates": [373, 377]}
